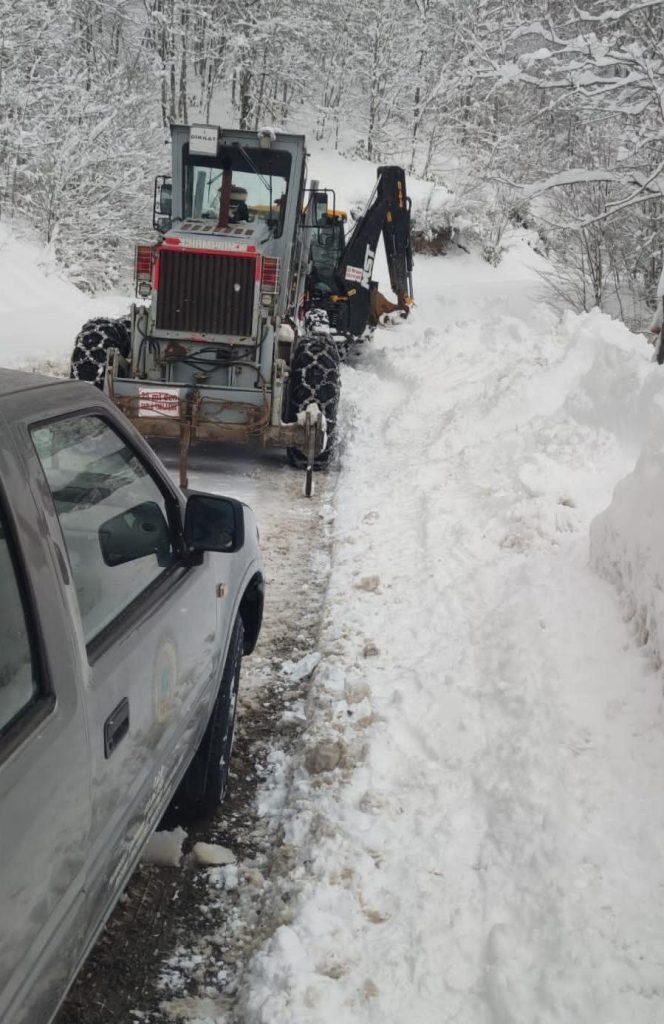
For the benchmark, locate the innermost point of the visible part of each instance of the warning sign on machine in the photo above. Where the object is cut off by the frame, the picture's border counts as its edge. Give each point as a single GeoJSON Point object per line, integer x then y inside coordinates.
{"type": "Point", "coordinates": [153, 401]}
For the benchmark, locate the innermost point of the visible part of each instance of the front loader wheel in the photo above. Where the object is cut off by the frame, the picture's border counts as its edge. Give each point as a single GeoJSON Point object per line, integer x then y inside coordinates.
{"type": "Point", "coordinates": [314, 377]}
{"type": "Point", "coordinates": [95, 338]}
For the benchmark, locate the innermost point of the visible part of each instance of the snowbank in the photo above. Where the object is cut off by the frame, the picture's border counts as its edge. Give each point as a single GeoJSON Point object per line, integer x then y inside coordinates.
{"type": "Point", "coordinates": [475, 820]}
{"type": "Point", "coordinates": [627, 547]}
{"type": "Point", "coordinates": [626, 397]}
{"type": "Point", "coordinates": [40, 311]}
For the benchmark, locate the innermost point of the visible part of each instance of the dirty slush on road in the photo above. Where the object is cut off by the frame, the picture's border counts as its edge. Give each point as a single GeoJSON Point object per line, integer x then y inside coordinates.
{"type": "Point", "coordinates": [179, 939]}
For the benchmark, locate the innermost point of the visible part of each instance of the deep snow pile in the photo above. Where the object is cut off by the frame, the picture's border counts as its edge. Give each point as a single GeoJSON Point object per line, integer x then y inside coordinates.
{"type": "Point", "coordinates": [475, 824]}
{"type": "Point", "coordinates": [40, 311]}
{"type": "Point", "coordinates": [627, 543]}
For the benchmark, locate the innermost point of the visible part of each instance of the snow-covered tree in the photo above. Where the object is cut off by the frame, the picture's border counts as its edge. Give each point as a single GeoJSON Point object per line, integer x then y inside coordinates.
{"type": "Point", "coordinates": [77, 138]}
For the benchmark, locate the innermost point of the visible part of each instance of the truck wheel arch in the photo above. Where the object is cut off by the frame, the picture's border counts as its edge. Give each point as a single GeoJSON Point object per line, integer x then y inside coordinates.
{"type": "Point", "coordinates": [251, 611]}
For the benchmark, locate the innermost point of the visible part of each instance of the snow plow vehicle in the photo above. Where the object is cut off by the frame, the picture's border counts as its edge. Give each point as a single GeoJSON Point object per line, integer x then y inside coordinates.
{"type": "Point", "coordinates": [248, 299]}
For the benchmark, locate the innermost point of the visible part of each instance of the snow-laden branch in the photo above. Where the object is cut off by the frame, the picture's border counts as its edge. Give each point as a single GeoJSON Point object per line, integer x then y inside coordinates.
{"type": "Point", "coordinates": [571, 176]}
{"type": "Point", "coordinates": [645, 188]}
{"type": "Point", "coordinates": [587, 222]}
{"type": "Point", "coordinates": [608, 17]}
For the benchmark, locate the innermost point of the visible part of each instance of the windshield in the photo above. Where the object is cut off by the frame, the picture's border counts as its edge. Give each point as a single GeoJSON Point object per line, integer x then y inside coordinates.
{"type": "Point", "coordinates": [327, 246]}
{"type": "Point", "coordinates": [258, 192]}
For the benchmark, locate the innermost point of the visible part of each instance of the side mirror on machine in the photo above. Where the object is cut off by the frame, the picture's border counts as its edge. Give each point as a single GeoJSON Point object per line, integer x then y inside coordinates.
{"type": "Point", "coordinates": [213, 523]}
{"type": "Point", "coordinates": [162, 204]}
{"type": "Point", "coordinates": [320, 205]}
{"type": "Point", "coordinates": [166, 199]}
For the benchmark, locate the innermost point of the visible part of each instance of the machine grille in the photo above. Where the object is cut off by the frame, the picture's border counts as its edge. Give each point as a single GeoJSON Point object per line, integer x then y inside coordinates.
{"type": "Point", "coordinates": [206, 293]}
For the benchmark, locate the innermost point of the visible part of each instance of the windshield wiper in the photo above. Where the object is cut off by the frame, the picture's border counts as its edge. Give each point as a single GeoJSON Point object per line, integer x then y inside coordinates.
{"type": "Point", "coordinates": [263, 181]}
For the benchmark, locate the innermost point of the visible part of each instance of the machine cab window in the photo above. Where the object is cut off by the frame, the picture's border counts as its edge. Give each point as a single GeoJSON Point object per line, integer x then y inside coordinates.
{"type": "Point", "coordinates": [258, 186]}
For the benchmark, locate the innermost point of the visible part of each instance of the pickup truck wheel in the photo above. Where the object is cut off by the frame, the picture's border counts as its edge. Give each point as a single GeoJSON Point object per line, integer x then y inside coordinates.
{"type": "Point", "coordinates": [88, 360]}
{"type": "Point", "coordinates": [205, 782]}
{"type": "Point", "coordinates": [314, 377]}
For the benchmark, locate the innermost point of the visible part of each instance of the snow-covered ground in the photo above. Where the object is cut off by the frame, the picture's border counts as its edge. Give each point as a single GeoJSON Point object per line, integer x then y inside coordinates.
{"type": "Point", "coordinates": [476, 820]}
{"type": "Point", "coordinates": [473, 823]}
{"type": "Point", "coordinates": [40, 311]}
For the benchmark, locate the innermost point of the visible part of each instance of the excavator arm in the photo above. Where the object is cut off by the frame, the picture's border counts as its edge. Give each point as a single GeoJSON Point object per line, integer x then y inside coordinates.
{"type": "Point", "coordinates": [387, 212]}
{"type": "Point", "coordinates": [340, 277]}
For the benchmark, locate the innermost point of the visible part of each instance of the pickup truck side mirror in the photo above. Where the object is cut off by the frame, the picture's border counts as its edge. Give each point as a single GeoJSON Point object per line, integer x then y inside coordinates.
{"type": "Point", "coordinates": [136, 533]}
{"type": "Point", "coordinates": [212, 523]}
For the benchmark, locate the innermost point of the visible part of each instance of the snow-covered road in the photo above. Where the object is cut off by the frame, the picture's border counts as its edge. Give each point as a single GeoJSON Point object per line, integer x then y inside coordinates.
{"type": "Point", "coordinates": [488, 848]}
{"type": "Point", "coordinates": [462, 819]}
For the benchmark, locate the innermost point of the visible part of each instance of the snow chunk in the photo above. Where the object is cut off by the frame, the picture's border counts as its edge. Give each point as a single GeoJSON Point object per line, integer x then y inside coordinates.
{"type": "Point", "coordinates": [302, 669]}
{"type": "Point", "coordinates": [369, 583]}
{"type": "Point", "coordinates": [165, 848]}
{"type": "Point", "coordinates": [198, 1009]}
{"type": "Point", "coordinates": [226, 877]}
{"type": "Point", "coordinates": [325, 756]}
{"type": "Point", "coordinates": [286, 333]}
{"type": "Point", "coordinates": [210, 854]}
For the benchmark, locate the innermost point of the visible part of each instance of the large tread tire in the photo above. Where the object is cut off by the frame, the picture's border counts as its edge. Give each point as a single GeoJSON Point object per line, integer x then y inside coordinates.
{"type": "Point", "coordinates": [205, 782]}
{"type": "Point", "coordinates": [314, 377]}
{"type": "Point", "coordinates": [95, 338]}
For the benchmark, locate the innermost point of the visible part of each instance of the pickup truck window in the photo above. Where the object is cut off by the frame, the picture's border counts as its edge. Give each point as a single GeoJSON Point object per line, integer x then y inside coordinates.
{"type": "Point", "coordinates": [19, 685]}
{"type": "Point", "coordinates": [113, 515]}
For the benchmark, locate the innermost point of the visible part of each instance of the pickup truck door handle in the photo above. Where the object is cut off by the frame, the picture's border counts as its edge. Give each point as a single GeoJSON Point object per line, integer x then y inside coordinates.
{"type": "Point", "coordinates": [116, 727]}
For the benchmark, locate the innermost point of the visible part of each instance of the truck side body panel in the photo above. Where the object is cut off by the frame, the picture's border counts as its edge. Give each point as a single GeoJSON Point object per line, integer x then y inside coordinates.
{"type": "Point", "coordinates": [122, 701]}
{"type": "Point", "coordinates": [44, 771]}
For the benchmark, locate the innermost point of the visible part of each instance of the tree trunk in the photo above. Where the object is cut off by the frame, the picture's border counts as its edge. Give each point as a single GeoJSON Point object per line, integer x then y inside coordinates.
{"type": "Point", "coordinates": [246, 82]}
{"type": "Point", "coordinates": [183, 105]}
{"type": "Point", "coordinates": [373, 96]}
{"type": "Point", "coordinates": [417, 112]}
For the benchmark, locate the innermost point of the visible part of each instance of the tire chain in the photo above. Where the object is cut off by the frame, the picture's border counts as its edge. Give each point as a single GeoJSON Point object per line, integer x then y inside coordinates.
{"type": "Point", "coordinates": [88, 360]}
{"type": "Point", "coordinates": [315, 378]}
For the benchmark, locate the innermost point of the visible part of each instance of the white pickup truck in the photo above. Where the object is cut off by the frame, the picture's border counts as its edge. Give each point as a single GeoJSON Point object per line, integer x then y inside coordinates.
{"type": "Point", "coordinates": [125, 609]}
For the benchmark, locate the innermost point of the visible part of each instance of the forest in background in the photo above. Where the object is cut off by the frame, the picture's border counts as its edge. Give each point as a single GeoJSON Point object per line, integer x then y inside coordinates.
{"type": "Point", "coordinates": [539, 113]}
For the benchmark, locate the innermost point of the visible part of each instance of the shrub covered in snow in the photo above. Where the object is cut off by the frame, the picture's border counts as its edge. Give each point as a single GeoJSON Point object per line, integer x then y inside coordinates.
{"type": "Point", "coordinates": [434, 216]}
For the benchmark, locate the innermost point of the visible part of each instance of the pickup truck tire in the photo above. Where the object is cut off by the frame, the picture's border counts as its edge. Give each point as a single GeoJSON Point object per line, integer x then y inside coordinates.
{"type": "Point", "coordinates": [88, 360]}
{"type": "Point", "coordinates": [205, 782]}
{"type": "Point", "coordinates": [314, 377]}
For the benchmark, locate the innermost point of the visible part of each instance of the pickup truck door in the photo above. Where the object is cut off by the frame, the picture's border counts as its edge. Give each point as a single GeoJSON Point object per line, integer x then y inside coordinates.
{"type": "Point", "coordinates": [148, 623]}
{"type": "Point", "coordinates": [44, 760]}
